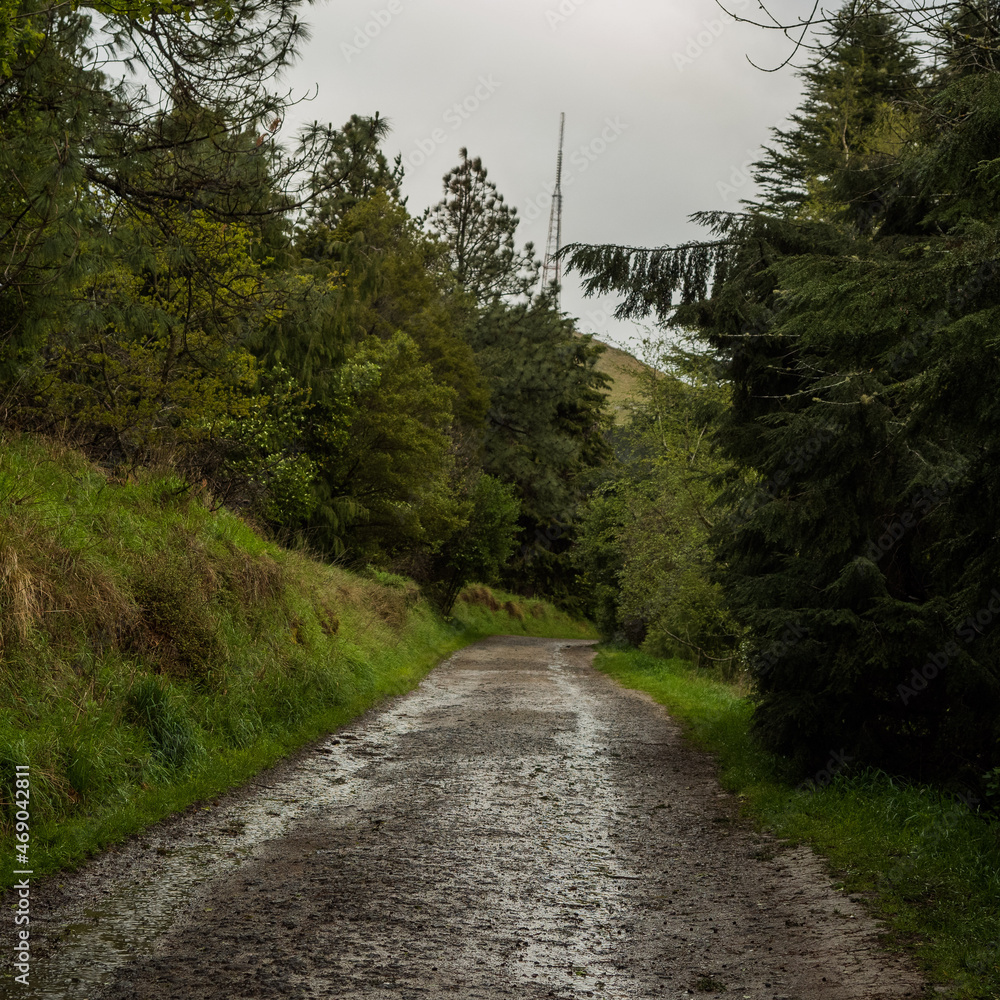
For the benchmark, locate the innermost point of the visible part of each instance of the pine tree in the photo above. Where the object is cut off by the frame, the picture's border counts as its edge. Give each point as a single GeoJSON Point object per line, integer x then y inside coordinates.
{"type": "Point", "coordinates": [479, 228]}
{"type": "Point", "coordinates": [356, 170]}
{"type": "Point", "coordinates": [393, 459]}
{"type": "Point", "coordinates": [856, 112]}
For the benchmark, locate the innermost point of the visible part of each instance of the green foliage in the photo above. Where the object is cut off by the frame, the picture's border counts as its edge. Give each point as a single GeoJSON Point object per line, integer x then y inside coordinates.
{"type": "Point", "coordinates": [260, 464]}
{"type": "Point", "coordinates": [395, 464]}
{"type": "Point", "coordinates": [854, 117]}
{"type": "Point", "coordinates": [399, 278]}
{"type": "Point", "coordinates": [598, 556]}
{"type": "Point", "coordinates": [544, 431]}
{"type": "Point", "coordinates": [396, 397]}
{"type": "Point", "coordinates": [855, 538]}
{"type": "Point", "coordinates": [152, 355]}
{"type": "Point", "coordinates": [488, 539]}
{"type": "Point", "coordinates": [479, 549]}
{"type": "Point", "coordinates": [356, 172]}
{"type": "Point", "coordinates": [132, 219]}
{"type": "Point", "coordinates": [183, 291]}
{"type": "Point", "coordinates": [643, 549]}
{"type": "Point", "coordinates": [81, 151]}
{"type": "Point", "coordinates": [478, 227]}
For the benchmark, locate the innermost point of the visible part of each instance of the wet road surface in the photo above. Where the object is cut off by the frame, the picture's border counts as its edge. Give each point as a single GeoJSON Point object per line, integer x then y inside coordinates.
{"type": "Point", "coordinates": [518, 826]}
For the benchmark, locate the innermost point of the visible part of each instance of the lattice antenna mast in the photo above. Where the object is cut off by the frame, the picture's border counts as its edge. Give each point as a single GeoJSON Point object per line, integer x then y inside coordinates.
{"type": "Point", "coordinates": [552, 266]}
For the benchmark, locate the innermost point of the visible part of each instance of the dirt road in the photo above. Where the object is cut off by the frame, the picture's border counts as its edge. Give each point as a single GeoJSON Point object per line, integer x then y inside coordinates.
{"type": "Point", "coordinates": [519, 826]}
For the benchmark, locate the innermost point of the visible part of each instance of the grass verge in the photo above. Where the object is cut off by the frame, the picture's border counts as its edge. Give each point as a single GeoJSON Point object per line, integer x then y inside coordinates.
{"type": "Point", "coordinates": [154, 652]}
{"type": "Point", "coordinates": [927, 864]}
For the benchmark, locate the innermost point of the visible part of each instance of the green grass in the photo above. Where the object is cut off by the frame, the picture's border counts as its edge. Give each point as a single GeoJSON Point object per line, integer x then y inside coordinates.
{"type": "Point", "coordinates": [927, 864]}
{"type": "Point", "coordinates": [487, 611]}
{"type": "Point", "coordinates": [154, 652]}
{"type": "Point", "coordinates": [627, 375]}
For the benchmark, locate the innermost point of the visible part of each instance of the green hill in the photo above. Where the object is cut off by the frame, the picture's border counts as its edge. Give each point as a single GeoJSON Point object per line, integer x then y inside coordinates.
{"type": "Point", "coordinates": [627, 374]}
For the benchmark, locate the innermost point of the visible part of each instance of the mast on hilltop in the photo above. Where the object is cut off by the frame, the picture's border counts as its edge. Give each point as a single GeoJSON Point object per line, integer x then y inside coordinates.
{"type": "Point", "coordinates": [552, 266]}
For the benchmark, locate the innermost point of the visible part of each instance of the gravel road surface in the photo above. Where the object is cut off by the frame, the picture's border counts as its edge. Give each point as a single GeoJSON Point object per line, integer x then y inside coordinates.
{"type": "Point", "coordinates": [518, 826]}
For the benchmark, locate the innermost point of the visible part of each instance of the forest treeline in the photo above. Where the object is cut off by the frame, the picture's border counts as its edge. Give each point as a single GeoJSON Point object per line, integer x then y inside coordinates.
{"type": "Point", "coordinates": [185, 287]}
{"type": "Point", "coordinates": [851, 314]}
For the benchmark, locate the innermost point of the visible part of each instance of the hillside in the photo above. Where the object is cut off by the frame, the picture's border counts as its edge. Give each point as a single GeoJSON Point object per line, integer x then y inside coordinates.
{"type": "Point", "coordinates": [156, 649]}
{"type": "Point", "coordinates": [626, 373]}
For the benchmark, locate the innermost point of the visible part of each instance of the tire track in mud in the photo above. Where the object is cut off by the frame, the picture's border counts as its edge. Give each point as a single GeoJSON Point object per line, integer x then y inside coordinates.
{"type": "Point", "coordinates": [518, 826]}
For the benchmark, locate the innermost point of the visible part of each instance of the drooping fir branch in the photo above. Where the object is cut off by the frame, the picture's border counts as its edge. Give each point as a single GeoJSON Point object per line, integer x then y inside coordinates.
{"type": "Point", "coordinates": [647, 278]}
{"type": "Point", "coordinates": [651, 278]}
{"type": "Point", "coordinates": [656, 281]}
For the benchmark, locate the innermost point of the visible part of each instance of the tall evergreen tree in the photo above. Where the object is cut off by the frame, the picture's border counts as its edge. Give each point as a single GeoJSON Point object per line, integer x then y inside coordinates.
{"type": "Point", "coordinates": [356, 170]}
{"type": "Point", "coordinates": [401, 281]}
{"type": "Point", "coordinates": [856, 112]}
{"type": "Point", "coordinates": [479, 229]}
{"type": "Point", "coordinates": [859, 542]}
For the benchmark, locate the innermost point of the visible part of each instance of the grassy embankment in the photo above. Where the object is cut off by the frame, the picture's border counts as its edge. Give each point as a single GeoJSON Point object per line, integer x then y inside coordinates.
{"type": "Point", "coordinates": [154, 652]}
{"type": "Point", "coordinates": [927, 864]}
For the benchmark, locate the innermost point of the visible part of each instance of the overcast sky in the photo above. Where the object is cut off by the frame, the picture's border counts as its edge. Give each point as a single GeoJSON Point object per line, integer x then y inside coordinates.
{"type": "Point", "coordinates": [663, 110]}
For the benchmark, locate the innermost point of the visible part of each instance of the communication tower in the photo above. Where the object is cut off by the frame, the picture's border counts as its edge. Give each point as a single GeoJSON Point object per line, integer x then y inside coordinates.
{"type": "Point", "coordinates": [552, 266]}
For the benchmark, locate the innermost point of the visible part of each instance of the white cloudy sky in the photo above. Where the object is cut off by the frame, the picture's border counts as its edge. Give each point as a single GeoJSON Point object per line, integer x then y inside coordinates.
{"type": "Point", "coordinates": [662, 107]}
